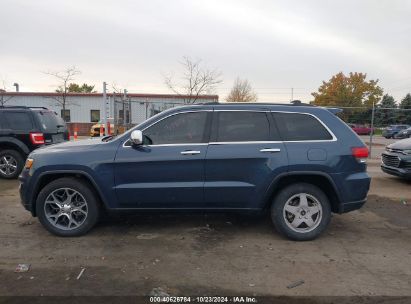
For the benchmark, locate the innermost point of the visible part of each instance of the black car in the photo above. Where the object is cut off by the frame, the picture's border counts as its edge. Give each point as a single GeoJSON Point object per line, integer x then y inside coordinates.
{"type": "Point", "coordinates": [403, 134]}
{"type": "Point", "coordinates": [24, 129]}
{"type": "Point", "coordinates": [392, 130]}
{"type": "Point", "coordinates": [396, 160]}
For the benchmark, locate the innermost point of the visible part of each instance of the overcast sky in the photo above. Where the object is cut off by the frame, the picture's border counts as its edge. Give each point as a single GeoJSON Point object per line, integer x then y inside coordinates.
{"type": "Point", "coordinates": [276, 45]}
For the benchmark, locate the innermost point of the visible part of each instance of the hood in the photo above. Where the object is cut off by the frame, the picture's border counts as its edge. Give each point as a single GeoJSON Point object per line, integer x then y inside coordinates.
{"type": "Point", "coordinates": [401, 144]}
{"type": "Point", "coordinates": [70, 145]}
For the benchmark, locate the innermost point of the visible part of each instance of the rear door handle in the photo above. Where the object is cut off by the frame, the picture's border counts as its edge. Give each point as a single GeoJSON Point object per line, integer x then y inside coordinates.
{"type": "Point", "coordinates": [190, 152]}
{"type": "Point", "coordinates": [269, 150]}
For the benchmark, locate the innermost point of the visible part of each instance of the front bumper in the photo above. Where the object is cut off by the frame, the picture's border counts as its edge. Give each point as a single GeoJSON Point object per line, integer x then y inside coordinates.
{"type": "Point", "coordinates": [23, 191]}
{"type": "Point", "coordinates": [400, 172]}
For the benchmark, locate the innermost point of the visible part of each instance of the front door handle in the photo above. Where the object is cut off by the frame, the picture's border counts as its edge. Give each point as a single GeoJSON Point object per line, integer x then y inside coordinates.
{"type": "Point", "coordinates": [270, 150]}
{"type": "Point", "coordinates": [190, 152]}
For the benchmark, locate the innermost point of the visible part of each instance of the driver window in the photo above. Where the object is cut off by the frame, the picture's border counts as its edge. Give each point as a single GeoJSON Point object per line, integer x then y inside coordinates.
{"type": "Point", "coordinates": [177, 129]}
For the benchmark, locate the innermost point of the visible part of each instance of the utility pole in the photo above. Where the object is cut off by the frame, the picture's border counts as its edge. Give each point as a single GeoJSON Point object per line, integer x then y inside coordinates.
{"type": "Point", "coordinates": [292, 94]}
{"type": "Point", "coordinates": [372, 127]}
{"type": "Point", "coordinates": [126, 111]}
{"type": "Point", "coordinates": [105, 103]}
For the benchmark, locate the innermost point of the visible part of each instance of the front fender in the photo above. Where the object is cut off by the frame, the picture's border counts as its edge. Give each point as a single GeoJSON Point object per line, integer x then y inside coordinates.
{"type": "Point", "coordinates": [102, 182]}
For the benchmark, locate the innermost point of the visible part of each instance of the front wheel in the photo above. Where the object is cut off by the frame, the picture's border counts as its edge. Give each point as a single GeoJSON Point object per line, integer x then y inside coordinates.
{"type": "Point", "coordinates": [301, 212]}
{"type": "Point", "coordinates": [67, 207]}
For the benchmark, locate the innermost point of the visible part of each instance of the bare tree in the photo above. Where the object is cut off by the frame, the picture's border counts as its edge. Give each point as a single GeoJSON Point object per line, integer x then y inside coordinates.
{"type": "Point", "coordinates": [242, 92]}
{"type": "Point", "coordinates": [196, 80]}
{"type": "Point", "coordinates": [64, 78]}
{"type": "Point", "coordinates": [3, 98]}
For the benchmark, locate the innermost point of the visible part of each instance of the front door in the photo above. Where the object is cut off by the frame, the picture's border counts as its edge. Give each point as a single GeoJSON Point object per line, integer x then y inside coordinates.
{"type": "Point", "coordinates": [244, 156]}
{"type": "Point", "coordinates": [167, 171]}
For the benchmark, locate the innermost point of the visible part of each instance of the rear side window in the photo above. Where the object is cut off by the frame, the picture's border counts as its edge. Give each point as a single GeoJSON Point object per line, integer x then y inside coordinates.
{"type": "Point", "coordinates": [20, 121]}
{"type": "Point", "coordinates": [178, 129]}
{"type": "Point", "coordinates": [300, 127]}
{"type": "Point", "coordinates": [238, 126]}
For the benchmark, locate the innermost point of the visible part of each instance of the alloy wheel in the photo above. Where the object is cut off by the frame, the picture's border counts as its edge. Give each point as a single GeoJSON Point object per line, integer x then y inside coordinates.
{"type": "Point", "coordinates": [8, 165]}
{"type": "Point", "coordinates": [302, 212]}
{"type": "Point", "coordinates": [66, 208]}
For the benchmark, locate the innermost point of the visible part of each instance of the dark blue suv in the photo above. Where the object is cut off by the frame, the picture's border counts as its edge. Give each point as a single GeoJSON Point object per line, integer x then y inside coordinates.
{"type": "Point", "coordinates": [299, 162]}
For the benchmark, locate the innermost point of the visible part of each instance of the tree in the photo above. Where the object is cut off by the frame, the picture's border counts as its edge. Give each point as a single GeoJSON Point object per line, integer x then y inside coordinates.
{"type": "Point", "coordinates": [348, 91]}
{"type": "Point", "coordinates": [64, 78]}
{"type": "Point", "coordinates": [196, 80]}
{"type": "Point", "coordinates": [84, 88]}
{"type": "Point", "coordinates": [405, 105]}
{"type": "Point", "coordinates": [385, 113]}
{"type": "Point", "coordinates": [242, 92]}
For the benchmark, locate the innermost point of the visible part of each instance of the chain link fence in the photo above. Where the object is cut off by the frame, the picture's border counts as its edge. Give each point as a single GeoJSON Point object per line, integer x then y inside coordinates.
{"type": "Point", "coordinates": [129, 112]}
{"type": "Point", "coordinates": [377, 126]}
{"type": "Point", "coordinates": [372, 124]}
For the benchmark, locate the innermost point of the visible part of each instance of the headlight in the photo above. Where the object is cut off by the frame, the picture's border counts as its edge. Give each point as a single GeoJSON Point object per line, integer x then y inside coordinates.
{"type": "Point", "coordinates": [29, 163]}
{"type": "Point", "coordinates": [406, 151]}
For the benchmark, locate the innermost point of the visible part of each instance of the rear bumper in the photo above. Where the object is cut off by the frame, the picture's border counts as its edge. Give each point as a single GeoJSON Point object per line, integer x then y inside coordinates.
{"type": "Point", "coordinates": [351, 206]}
{"type": "Point", "coordinates": [352, 189]}
{"type": "Point", "coordinates": [401, 172]}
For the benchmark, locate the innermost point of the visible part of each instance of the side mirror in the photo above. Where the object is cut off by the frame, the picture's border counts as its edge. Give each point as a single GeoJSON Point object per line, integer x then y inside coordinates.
{"type": "Point", "coordinates": [136, 137]}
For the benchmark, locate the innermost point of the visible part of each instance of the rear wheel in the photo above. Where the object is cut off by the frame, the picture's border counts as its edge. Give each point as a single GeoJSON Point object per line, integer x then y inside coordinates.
{"type": "Point", "coordinates": [67, 207]}
{"type": "Point", "coordinates": [301, 212]}
{"type": "Point", "coordinates": [11, 164]}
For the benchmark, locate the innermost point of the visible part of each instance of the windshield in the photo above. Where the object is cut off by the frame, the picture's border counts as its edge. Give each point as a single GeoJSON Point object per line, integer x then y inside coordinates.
{"type": "Point", "coordinates": [50, 121]}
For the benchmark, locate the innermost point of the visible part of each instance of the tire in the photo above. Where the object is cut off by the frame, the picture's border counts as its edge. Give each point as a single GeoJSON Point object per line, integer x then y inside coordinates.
{"type": "Point", "coordinates": [11, 164]}
{"type": "Point", "coordinates": [76, 218]}
{"type": "Point", "coordinates": [291, 198]}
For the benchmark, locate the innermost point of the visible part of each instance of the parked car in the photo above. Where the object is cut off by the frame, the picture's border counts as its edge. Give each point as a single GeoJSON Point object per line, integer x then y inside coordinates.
{"type": "Point", "coordinates": [406, 133]}
{"type": "Point", "coordinates": [95, 129]}
{"type": "Point", "coordinates": [391, 130]}
{"type": "Point", "coordinates": [299, 162]}
{"type": "Point", "coordinates": [396, 159]}
{"type": "Point", "coordinates": [361, 129]}
{"type": "Point", "coordinates": [24, 129]}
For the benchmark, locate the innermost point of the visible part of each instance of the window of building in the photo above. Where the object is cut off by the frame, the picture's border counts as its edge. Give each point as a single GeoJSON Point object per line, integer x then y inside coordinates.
{"type": "Point", "coordinates": [65, 114]}
{"type": "Point", "coordinates": [297, 127]}
{"type": "Point", "coordinates": [94, 115]}
{"type": "Point", "coordinates": [242, 126]}
{"type": "Point", "coordinates": [178, 129]}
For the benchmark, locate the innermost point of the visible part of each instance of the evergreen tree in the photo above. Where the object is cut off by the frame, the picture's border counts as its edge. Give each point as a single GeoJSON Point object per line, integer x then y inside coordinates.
{"type": "Point", "coordinates": [385, 113]}
{"type": "Point", "coordinates": [405, 116]}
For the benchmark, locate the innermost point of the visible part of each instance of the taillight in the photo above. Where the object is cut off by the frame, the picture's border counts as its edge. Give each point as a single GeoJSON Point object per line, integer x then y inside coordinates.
{"type": "Point", "coordinates": [37, 138]}
{"type": "Point", "coordinates": [360, 153]}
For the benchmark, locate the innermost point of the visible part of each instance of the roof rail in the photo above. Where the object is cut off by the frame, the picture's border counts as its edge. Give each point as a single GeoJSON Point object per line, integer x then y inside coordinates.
{"type": "Point", "coordinates": [22, 107]}
{"type": "Point", "coordinates": [256, 104]}
{"type": "Point", "coordinates": [13, 107]}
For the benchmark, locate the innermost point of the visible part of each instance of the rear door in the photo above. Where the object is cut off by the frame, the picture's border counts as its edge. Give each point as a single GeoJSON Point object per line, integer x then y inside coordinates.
{"type": "Point", "coordinates": [244, 156]}
{"type": "Point", "coordinates": [310, 144]}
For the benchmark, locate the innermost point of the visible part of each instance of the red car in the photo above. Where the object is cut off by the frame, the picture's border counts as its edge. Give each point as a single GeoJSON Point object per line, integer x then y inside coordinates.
{"type": "Point", "coordinates": [361, 129]}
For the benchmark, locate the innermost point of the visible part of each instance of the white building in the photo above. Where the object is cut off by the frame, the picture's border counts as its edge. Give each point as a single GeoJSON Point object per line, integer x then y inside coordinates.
{"type": "Point", "coordinates": [84, 109]}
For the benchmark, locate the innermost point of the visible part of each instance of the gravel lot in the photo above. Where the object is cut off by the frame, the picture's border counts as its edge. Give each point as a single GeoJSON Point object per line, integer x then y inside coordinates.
{"type": "Point", "coordinates": [366, 252]}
